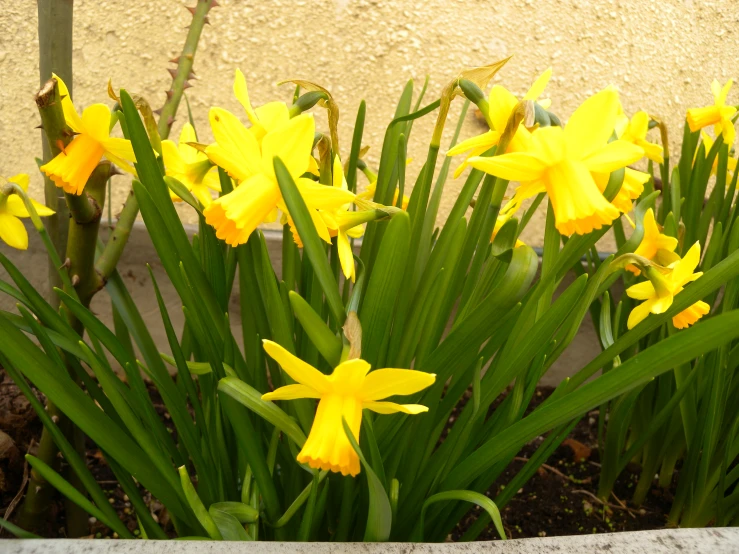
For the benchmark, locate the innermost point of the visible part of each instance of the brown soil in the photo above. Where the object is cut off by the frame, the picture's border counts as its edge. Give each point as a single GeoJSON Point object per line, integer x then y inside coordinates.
{"type": "Point", "coordinates": [558, 500]}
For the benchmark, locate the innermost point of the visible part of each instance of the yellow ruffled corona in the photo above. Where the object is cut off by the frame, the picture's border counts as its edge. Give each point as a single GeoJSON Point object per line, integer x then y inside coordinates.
{"type": "Point", "coordinates": [191, 167]}
{"type": "Point", "coordinates": [719, 115]}
{"type": "Point", "coordinates": [501, 104]}
{"type": "Point", "coordinates": [561, 162]}
{"type": "Point", "coordinates": [12, 208]}
{"type": "Point", "coordinates": [72, 167]}
{"type": "Point", "coordinates": [350, 389]}
{"type": "Point", "coordinates": [659, 292]}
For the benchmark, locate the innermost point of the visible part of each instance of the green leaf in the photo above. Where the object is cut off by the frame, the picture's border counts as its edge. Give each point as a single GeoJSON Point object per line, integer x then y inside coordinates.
{"type": "Point", "coordinates": [380, 297]}
{"type": "Point", "coordinates": [252, 399]}
{"type": "Point", "coordinates": [64, 487]}
{"type": "Point", "coordinates": [17, 531]}
{"type": "Point", "coordinates": [181, 190]}
{"type": "Point", "coordinates": [312, 246]}
{"type": "Point", "coordinates": [380, 513]}
{"type": "Point", "coordinates": [467, 496]}
{"type": "Point", "coordinates": [327, 343]}
{"type": "Point", "coordinates": [663, 356]}
{"type": "Point", "coordinates": [55, 383]}
{"type": "Point", "coordinates": [197, 506]}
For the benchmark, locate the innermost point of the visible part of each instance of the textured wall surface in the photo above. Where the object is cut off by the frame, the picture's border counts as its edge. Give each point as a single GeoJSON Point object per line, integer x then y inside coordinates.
{"type": "Point", "coordinates": [661, 54]}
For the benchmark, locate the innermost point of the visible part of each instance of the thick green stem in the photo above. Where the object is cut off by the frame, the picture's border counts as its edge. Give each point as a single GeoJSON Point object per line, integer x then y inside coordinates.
{"type": "Point", "coordinates": [182, 75]}
{"type": "Point", "coordinates": [83, 236]}
{"type": "Point", "coordinates": [55, 56]}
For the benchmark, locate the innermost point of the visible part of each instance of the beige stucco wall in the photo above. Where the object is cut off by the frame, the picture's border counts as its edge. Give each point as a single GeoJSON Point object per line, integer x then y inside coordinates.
{"type": "Point", "coordinates": [661, 54]}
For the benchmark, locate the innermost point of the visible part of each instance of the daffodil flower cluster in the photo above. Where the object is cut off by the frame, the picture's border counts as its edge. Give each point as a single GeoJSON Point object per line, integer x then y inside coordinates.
{"type": "Point", "coordinates": [571, 164]}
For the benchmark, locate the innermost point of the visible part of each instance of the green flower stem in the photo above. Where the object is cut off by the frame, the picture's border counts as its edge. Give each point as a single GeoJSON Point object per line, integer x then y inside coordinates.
{"type": "Point", "coordinates": [55, 56]}
{"type": "Point", "coordinates": [83, 236]}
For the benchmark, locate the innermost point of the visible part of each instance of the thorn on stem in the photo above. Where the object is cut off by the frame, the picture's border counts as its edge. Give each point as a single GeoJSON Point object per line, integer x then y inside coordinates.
{"type": "Point", "coordinates": [158, 111]}
{"type": "Point", "coordinates": [172, 72]}
{"type": "Point", "coordinates": [213, 4]}
{"type": "Point", "coordinates": [191, 10]}
{"type": "Point", "coordinates": [170, 93]}
{"type": "Point", "coordinates": [186, 85]}
{"type": "Point", "coordinates": [170, 120]}
{"type": "Point", "coordinates": [75, 280]}
{"type": "Point", "coordinates": [175, 60]}
{"type": "Point", "coordinates": [66, 264]}
{"type": "Point", "coordinates": [189, 57]}
{"type": "Point", "coordinates": [41, 126]}
{"type": "Point", "coordinates": [191, 75]}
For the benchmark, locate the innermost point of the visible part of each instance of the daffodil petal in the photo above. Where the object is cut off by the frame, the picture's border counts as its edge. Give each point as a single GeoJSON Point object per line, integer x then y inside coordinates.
{"type": "Point", "coordinates": [292, 143]}
{"type": "Point", "coordinates": [13, 232]}
{"type": "Point", "coordinates": [71, 117]}
{"type": "Point", "coordinates": [539, 85]}
{"type": "Point", "coordinates": [684, 269]}
{"type": "Point", "coordinates": [592, 124]}
{"type": "Point", "coordinates": [382, 383]}
{"type": "Point", "coordinates": [393, 408]}
{"type": "Point", "coordinates": [303, 373]}
{"type": "Point", "coordinates": [639, 314]}
{"type": "Point", "coordinates": [96, 121]}
{"type": "Point", "coordinates": [613, 156]}
{"type": "Point", "coordinates": [22, 180]}
{"type": "Point", "coordinates": [291, 392]}
{"type": "Point", "coordinates": [516, 166]}
{"type": "Point", "coordinates": [236, 149]}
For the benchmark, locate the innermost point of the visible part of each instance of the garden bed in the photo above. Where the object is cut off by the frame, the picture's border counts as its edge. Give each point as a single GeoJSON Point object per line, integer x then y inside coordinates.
{"type": "Point", "coordinates": [560, 499]}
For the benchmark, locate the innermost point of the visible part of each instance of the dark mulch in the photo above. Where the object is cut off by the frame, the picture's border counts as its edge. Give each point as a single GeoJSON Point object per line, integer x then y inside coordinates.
{"type": "Point", "coordinates": [558, 500]}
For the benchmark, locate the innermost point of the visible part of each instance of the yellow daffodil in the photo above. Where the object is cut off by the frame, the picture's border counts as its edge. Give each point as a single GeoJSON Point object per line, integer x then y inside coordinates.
{"type": "Point", "coordinates": [636, 133]}
{"type": "Point", "coordinates": [562, 161]}
{"type": "Point", "coordinates": [654, 245]}
{"type": "Point", "coordinates": [719, 115]}
{"type": "Point", "coordinates": [343, 394]}
{"type": "Point", "coordinates": [501, 104]}
{"type": "Point", "coordinates": [12, 230]}
{"type": "Point", "coordinates": [191, 167]}
{"type": "Point", "coordinates": [731, 162]}
{"type": "Point", "coordinates": [659, 291]}
{"type": "Point", "coordinates": [257, 196]}
{"type": "Point", "coordinates": [71, 168]}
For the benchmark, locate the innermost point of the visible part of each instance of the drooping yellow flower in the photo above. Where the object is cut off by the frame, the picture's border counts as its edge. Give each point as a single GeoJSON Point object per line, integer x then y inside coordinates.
{"type": "Point", "coordinates": [71, 168]}
{"type": "Point", "coordinates": [249, 161]}
{"type": "Point", "coordinates": [654, 245]}
{"type": "Point", "coordinates": [636, 133]}
{"type": "Point", "coordinates": [12, 230]}
{"type": "Point", "coordinates": [343, 394]}
{"type": "Point", "coordinates": [501, 104]}
{"type": "Point", "coordinates": [719, 115]}
{"type": "Point", "coordinates": [190, 166]}
{"type": "Point", "coordinates": [731, 162]}
{"type": "Point", "coordinates": [659, 291]}
{"type": "Point", "coordinates": [562, 161]}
